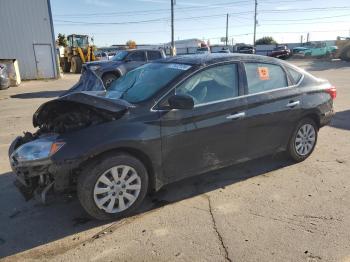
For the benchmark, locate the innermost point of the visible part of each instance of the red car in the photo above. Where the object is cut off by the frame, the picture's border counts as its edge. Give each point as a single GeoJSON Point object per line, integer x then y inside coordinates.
{"type": "Point", "coordinates": [282, 52]}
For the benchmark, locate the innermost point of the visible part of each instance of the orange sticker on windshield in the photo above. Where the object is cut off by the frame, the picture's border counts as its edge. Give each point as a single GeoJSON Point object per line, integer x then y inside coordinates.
{"type": "Point", "coordinates": [263, 73]}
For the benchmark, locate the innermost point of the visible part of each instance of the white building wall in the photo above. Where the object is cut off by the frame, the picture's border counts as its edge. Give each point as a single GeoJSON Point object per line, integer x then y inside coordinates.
{"type": "Point", "coordinates": [24, 23]}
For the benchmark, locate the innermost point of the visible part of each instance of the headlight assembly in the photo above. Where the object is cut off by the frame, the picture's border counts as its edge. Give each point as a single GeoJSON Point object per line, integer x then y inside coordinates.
{"type": "Point", "coordinates": [37, 149]}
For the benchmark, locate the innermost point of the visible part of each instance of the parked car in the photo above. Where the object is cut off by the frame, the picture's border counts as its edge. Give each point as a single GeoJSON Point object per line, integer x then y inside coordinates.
{"type": "Point", "coordinates": [246, 49]}
{"type": "Point", "coordinates": [122, 62]}
{"type": "Point", "coordinates": [102, 56]}
{"type": "Point", "coordinates": [4, 77]}
{"type": "Point", "coordinates": [315, 50]}
{"type": "Point", "coordinates": [282, 52]}
{"type": "Point", "coordinates": [168, 120]}
{"type": "Point", "coordinates": [224, 50]}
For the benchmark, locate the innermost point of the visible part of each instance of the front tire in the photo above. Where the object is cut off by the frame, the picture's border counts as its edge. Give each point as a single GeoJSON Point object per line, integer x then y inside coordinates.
{"type": "Point", "coordinates": [113, 186]}
{"type": "Point", "coordinates": [76, 64]}
{"type": "Point", "coordinates": [303, 140]}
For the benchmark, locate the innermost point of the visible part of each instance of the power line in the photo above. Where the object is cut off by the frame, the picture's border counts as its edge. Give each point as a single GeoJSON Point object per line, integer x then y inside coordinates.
{"type": "Point", "coordinates": [162, 19]}
{"type": "Point", "coordinates": [151, 11]}
{"type": "Point", "coordinates": [306, 19]}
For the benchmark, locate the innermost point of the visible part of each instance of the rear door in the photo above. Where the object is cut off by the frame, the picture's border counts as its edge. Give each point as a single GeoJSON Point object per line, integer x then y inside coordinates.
{"type": "Point", "coordinates": [210, 135]}
{"type": "Point", "coordinates": [273, 107]}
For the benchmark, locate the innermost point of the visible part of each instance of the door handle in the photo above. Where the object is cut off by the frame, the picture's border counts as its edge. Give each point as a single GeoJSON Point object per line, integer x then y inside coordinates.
{"type": "Point", "coordinates": [236, 116]}
{"type": "Point", "coordinates": [293, 103]}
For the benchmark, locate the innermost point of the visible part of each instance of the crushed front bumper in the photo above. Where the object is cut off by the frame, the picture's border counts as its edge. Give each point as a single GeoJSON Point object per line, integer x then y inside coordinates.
{"type": "Point", "coordinates": [37, 177]}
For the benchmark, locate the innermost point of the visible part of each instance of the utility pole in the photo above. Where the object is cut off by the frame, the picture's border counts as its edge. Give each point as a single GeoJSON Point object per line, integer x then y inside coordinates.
{"type": "Point", "coordinates": [308, 37]}
{"type": "Point", "coordinates": [255, 22]}
{"type": "Point", "coordinates": [226, 29]}
{"type": "Point", "coordinates": [172, 29]}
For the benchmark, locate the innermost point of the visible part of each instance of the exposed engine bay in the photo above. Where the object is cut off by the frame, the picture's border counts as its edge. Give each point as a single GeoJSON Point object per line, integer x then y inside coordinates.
{"type": "Point", "coordinates": [62, 115]}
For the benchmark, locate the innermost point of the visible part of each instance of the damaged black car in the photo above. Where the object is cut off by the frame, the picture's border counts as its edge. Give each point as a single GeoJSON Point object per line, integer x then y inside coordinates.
{"type": "Point", "coordinates": [165, 121]}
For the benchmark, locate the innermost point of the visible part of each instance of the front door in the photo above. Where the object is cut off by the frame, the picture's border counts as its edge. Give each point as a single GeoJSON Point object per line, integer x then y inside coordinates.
{"type": "Point", "coordinates": [44, 61]}
{"type": "Point", "coordinates": [212, 134]}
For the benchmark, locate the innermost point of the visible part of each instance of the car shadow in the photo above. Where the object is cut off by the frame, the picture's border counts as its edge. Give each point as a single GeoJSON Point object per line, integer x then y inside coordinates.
{"type": "Point", "coordinates": [341, 120]}
{"type": "Point", "coordinates": [42, 94]}
{"type": "Point", "coordinates": [30, 224]}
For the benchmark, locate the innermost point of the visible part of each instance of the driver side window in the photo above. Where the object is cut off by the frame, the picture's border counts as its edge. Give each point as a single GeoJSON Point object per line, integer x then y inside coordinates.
{"type": "Point", "coordinates": [210, 85]}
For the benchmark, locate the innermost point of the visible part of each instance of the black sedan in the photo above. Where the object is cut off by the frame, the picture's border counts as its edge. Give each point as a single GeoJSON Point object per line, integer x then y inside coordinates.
{"type": "Point", "coordinates": [121, 63]}
{"type": "Point", "coordinates": [168, 120]}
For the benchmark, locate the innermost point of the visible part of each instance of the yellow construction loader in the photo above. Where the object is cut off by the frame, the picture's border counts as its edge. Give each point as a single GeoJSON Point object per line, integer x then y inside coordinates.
{"type": "Point", "coordinates": [77, 52]}
{"type": "Point", "coordinates": [343, 44]}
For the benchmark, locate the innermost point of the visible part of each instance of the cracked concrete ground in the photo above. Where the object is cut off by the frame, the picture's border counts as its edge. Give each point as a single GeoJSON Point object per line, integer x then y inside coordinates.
{"type": "Point", "coordinates": [265, 210]}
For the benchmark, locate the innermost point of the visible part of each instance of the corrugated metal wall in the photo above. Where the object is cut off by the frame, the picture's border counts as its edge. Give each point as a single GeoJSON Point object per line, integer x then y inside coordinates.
{"type": "Point", "coordinates": [22, 24]}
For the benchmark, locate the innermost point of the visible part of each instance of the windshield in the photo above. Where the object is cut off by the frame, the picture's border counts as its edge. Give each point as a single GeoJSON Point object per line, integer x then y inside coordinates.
{"type": "Point", "coordinates": [120, 56]}
{"type": "Point", "coordinates": [143, 82]}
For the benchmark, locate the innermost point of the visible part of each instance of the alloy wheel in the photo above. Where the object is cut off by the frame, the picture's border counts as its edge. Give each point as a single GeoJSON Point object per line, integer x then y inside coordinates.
{"type": "Point", "coordinates": [117, 189]}
{"type": "Point", "coordinates": [305, 139]}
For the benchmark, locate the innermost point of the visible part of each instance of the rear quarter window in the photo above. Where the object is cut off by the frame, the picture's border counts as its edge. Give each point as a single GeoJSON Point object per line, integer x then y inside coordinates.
{"type": "Point", "coordinates": [263, 77]}
{"type": "Point", "coordinates": [295, 75]}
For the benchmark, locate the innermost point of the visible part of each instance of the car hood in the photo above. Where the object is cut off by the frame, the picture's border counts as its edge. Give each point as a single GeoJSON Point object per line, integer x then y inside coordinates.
{"type": "Point", "coordinates": [104, 63]}
{"type": "Point", "coordinates": [84, 106]}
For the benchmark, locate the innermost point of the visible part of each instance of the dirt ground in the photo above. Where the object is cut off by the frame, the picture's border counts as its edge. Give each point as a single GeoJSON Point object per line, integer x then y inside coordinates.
{"type": "Point", "coordinates": [265, 210]}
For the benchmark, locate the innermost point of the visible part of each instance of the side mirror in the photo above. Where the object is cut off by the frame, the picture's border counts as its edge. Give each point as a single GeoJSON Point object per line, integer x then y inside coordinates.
{"type": "Point", "coordinates": [181, 102]}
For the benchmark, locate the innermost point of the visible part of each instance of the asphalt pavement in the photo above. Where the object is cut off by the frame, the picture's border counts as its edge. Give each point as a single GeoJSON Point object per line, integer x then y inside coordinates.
{"type": "Point", "coordinates": [268, 209]}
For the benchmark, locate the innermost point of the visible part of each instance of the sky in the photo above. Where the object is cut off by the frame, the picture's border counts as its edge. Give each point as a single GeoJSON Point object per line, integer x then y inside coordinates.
{"type": "Point", "coordinates": [148, 21]}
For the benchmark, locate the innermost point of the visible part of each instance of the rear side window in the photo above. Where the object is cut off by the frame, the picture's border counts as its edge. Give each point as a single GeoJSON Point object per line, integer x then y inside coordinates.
{"type": "Point", "coordinates": [153, 55]}
{"type": "Point", "coordinates": [263, 77]}
{"type": "Point", "coordinates": [296, 76]}
{"type": "Point", "coordinates": [212, 84]}
{"type": "Point", "coordinates": [137, 56]}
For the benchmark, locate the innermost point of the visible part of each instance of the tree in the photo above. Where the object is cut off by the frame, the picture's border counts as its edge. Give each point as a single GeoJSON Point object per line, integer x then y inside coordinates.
{"type": "Point", "coordinates": [62, 40]}
{"type": "Point", "coordinates": [131, 44]}
{"type": "Point", "coordinates": [266, 40]}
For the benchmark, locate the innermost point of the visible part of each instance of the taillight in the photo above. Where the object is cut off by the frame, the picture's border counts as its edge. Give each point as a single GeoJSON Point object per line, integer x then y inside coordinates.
{"type": "Point", "coordinates": [332, 91]}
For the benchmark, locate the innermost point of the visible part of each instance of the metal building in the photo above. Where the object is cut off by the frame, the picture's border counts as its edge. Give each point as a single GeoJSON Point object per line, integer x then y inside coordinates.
{"type": "Point", "coordinates": [26, 34]}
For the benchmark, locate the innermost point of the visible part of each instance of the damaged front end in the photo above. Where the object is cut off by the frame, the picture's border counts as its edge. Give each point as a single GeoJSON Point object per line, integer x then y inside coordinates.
{"type": "Point", "coordinates": [32, 155]}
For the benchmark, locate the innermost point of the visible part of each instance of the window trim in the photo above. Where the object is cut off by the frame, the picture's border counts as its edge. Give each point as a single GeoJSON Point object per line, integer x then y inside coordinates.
{"type": "Point", "coordinates": [240, 85]}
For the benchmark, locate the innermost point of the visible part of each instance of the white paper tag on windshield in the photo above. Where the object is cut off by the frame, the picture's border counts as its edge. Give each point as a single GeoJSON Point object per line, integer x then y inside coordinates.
{"type": "Point", "coordinates": [179, 66]}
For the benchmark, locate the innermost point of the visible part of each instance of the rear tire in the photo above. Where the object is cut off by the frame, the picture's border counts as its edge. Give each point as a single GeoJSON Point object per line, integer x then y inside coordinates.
{"type": "Point", "coordinates": [345, 54]}
{"type": "Point", "coordinates": [76, 64]}
{"type": "Point", "coordinates": [65, 65]}
{"type": "Point", "coordinates": [303, 140]}
{"type": "Point", "coordinates": [108, 79]}
{"type": "Point", "coordinates": [113, 186]}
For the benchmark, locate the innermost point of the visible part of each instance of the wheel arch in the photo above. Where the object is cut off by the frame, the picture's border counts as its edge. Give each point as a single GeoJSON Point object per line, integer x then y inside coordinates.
{"type": "Point", "coordinates": [137, 153]}
{"type": "Point", "coordinates": [314, 116]}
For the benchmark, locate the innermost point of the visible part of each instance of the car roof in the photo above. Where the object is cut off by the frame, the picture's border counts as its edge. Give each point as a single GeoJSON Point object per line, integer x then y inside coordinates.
{"type": "Point", "coordinates": [131, 50]}
{"type": "Point", "coordinates": [212, 58]}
